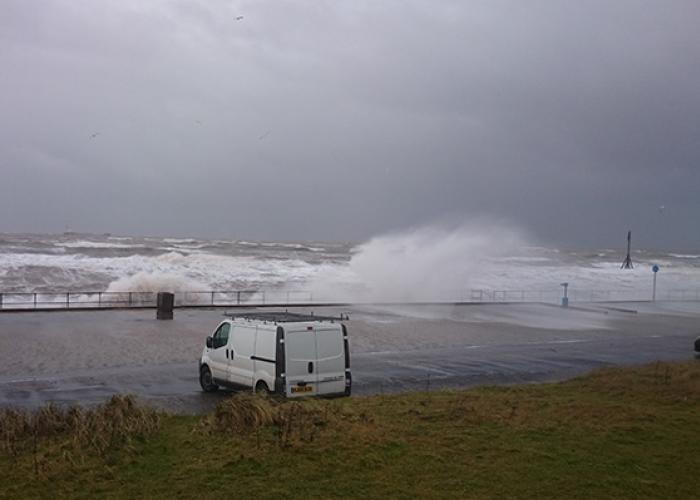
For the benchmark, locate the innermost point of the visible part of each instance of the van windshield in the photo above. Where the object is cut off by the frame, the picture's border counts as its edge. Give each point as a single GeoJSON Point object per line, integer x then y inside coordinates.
{"type": "Point", "coordinates": [221, 336]}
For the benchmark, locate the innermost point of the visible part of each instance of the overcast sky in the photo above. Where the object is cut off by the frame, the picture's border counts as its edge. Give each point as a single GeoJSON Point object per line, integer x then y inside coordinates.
{"type": "Point", "coordinates": [339, 120]}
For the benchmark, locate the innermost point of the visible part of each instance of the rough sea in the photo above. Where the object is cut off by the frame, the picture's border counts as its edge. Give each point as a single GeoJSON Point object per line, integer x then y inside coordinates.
{"type": "Point", "coordinates": [422, 264]}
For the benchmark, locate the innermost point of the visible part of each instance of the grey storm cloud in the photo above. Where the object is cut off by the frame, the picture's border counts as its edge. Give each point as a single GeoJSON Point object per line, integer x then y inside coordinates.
{"type": "Point", "coordinates": [340, 120]}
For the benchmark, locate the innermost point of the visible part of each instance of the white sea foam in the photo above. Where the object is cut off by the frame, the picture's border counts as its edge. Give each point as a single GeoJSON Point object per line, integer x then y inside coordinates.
{"type": "Point", "coordinates": [185, 246]}
{"type": "Point", "coordinates": [296, 246]}
{"type": "Point", "coordinates": [178, 240]}
{"type": "Point", "coordinates": [157, 281]}
{"type": "Point", "coordinates": [208, 271]}
{"type": "Point", "coordinates": [97, 244]}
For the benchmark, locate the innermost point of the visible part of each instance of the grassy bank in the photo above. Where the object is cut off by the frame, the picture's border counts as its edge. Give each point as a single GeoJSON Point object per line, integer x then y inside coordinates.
{"type": "Point", "coordinates": [618, 433]}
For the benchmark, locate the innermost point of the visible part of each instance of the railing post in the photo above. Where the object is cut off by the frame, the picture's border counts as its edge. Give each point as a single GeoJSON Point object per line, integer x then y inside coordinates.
{"type": "Point", "coordinates": [238, 297]}
{"type": "Point", "coordinates": [34, 300]}
{"type": "Point", "coordinates": [99, 299]}
{"type": "Point", "coordinates": [129, 299]}
{"type": "Point", "coordinates": [212, 298]}
{"type": "Point", "coordinates": [263, 297]}
{"type": "Point", "coordinates": [67, 300]}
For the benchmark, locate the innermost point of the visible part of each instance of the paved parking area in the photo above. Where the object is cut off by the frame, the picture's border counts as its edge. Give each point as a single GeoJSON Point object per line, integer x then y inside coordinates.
{"type": "Point", "coordinates": [84, 357]}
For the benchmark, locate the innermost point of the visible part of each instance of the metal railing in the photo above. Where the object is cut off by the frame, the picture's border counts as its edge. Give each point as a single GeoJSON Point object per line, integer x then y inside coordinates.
{"type": "Point", "coordinates": [486, 295]}
{"type": "Point", "coordinates": [222, 298]}
{"type": "Point", "coordinates": [113, 300]}
{"type": "Point", "coordinates": [583, 295]}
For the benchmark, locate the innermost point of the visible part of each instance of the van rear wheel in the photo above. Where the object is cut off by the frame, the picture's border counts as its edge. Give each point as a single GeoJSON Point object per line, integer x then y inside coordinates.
{"type": "Point", "coordinates": [206, 380]}
{"type": "Point", "coordinates": [262, 389]}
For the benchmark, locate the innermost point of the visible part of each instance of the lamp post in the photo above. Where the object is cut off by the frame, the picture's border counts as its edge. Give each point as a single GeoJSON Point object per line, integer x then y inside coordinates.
{"type": "Point", "coordinates": [565, 298]}
{"type": "Point", "coordinates": [654, 269]}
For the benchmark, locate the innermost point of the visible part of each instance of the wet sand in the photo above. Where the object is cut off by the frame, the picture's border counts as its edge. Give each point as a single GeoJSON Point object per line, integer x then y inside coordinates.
{"type": "Point", "coordinates": [84, 357]}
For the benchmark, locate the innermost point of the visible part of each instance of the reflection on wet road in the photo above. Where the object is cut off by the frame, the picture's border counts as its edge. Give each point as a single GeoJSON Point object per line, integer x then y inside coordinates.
{"type": "Point", "coordinates": [509, 356]}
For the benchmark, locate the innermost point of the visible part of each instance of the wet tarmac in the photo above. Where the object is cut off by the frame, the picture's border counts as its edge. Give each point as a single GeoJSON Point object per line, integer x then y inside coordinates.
{"type": "Point", "coordinates": [84, 358]}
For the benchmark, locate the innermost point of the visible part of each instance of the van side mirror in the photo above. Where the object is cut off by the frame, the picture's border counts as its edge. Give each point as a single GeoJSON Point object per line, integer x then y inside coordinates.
{"type": "Point", "coordinates": [210, 342]}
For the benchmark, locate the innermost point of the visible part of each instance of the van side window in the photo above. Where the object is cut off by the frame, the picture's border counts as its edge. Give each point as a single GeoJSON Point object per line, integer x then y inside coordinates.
{"type": "Point", "coordinates": [221, 336]}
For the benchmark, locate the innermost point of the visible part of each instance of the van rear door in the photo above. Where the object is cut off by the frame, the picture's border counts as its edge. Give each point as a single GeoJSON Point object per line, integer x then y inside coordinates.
{"type": "Point", "coordinates": [315, 359]}
{"type": "Point", "coordinates": [300, 348]}
{"type": "Point", "coordinates": [330, 359]}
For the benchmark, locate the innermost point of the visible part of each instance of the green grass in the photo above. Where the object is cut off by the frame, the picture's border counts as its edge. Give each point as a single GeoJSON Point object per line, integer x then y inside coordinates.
{"type": "Point", "coordinates": [617, 433]}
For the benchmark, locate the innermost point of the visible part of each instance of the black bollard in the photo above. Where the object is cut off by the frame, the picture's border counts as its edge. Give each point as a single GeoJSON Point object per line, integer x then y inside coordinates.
{"type": "Point", "coordinates": [697, 344]}
{"type": "Point", "coordinates": [166, 301]}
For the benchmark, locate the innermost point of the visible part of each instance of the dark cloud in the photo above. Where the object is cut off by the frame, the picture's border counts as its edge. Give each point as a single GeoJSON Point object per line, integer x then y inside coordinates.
{"type": "Point", "coordinates": [339, 120]}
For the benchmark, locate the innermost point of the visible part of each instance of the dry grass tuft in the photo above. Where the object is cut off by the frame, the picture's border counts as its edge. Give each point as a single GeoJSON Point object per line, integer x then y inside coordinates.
{"type": "Point", "coordinates": [242, 413]}
{"type": "Point", "coordinates": [292, 421]}
{"type": "Point", "coordinates": [13, 425]}
{"type": "Point", "coordinates": [75, 430]}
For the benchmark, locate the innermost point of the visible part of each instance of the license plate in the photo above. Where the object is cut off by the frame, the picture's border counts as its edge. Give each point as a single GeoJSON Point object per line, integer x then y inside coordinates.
{"type": "Point", "coordinates": [299, 388]}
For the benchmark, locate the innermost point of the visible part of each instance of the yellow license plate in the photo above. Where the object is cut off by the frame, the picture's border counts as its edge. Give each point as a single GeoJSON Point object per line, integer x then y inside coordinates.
{"type": "Point", "coordinates": [305, 388]}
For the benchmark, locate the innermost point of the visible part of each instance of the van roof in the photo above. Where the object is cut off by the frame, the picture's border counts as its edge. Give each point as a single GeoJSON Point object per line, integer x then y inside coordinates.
{"type": "Point", "coordinates": [284, 317]}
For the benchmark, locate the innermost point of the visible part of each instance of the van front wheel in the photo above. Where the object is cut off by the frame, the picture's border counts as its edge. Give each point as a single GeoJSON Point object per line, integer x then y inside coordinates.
{"type": "Point", "coordinates": [206, 380]}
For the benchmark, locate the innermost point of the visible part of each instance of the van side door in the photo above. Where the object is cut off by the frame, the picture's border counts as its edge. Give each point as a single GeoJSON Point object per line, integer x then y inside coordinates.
{"type": "Point", "coordinates": [218, 356]}
{"type": "Point", "coordinates": [242, 349]}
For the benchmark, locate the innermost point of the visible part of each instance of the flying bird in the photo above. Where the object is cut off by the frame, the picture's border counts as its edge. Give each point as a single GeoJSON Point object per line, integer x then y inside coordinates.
{"type": "Point", "coordinates": [264, 135]}
{"type": "Point", "coordinates": [239, 18]}
{"type": "Point", "coordinates": [94, 134]}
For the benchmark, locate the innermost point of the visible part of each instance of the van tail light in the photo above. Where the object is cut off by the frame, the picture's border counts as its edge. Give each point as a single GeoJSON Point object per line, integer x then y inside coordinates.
{"type": "Point", "coordinates": [348, 383]}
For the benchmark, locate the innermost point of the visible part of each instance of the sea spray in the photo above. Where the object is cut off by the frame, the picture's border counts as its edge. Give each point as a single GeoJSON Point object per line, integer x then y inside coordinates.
{"type": "Point", "coordinates": [425, 263]}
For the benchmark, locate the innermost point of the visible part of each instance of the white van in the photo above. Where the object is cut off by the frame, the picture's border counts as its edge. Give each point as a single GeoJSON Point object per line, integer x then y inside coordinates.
{"type": "Point", "coordinates": [288, 354]}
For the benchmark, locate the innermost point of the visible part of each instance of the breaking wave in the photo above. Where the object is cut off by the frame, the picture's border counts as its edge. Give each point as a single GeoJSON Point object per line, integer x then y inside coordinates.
{"type": "Point", "coordinates": [426, 263]}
